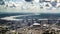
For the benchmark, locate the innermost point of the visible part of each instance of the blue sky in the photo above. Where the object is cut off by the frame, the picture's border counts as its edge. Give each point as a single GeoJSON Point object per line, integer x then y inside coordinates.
{"type": "Point", "coordinates": [53, 11]}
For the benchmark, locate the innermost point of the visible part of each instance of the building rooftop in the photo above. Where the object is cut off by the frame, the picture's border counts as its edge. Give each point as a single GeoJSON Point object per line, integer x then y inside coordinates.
{"type": "Point", "coordinates": [36, 24]}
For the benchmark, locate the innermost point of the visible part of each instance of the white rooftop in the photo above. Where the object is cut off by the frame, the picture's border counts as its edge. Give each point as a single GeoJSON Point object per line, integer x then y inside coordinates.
{"type": "Point", "coordinates": [45, 25]}
{"type": "Point", "coordinates": [36, 24]}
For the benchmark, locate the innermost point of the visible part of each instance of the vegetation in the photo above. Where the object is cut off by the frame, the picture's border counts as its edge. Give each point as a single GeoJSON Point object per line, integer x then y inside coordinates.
{"type": "Point", "coordinates": [3, 30]}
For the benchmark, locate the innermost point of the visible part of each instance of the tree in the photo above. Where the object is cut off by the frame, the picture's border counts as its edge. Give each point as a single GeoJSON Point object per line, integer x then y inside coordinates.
{"type": "Point", "coordinates": [3, 30]}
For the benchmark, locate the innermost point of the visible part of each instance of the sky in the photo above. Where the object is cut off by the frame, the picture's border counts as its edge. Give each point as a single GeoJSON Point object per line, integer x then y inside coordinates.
{"type": "Point", "coordinates": [35, 11]}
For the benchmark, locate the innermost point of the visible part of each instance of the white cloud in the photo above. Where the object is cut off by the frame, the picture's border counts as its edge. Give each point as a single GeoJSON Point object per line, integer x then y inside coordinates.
{"type": "Point", "coordinates": [36, 1]}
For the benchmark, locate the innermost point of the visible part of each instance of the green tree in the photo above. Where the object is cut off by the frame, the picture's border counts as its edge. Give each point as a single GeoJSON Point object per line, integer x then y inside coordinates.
{"type": "Point", "coordinates": [3, 30]}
